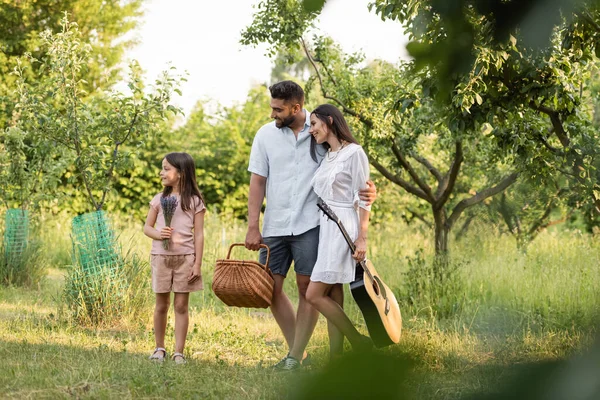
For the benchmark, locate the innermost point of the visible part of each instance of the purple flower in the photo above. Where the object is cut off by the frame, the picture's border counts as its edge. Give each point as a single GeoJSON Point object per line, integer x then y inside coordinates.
{"type": "Point", "coordinates": [169, 205]}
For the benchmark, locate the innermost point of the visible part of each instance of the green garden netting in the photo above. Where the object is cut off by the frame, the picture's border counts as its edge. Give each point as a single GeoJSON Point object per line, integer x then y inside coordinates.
{"type": "Point", "coordinates": [95, 280]}
{"type": "Point", "coordinates": [95, 247]}
{"type": "Point", "coordinates": [16, 232]}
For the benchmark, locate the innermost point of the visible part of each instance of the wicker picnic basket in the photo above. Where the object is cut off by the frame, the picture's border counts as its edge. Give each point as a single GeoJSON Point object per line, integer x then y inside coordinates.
{"type": "Point", "coordinates": [243, 283]}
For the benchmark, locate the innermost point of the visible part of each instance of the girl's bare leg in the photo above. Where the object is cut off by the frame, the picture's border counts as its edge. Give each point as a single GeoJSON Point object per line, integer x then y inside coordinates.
{"type": "Point", "coordinates": [182, 320]}
{"type": "Point", "coordinates": [161, 309]}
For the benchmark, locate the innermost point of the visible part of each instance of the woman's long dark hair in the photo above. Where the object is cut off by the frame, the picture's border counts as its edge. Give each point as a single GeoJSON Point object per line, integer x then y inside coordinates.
{"type": "Point", "coordinates": [335, 122]}
{"type": "Point", "coordinates": [188, 188]}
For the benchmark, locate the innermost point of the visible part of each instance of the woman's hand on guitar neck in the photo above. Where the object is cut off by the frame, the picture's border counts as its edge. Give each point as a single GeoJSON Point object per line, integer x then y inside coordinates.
{"type": "Point", "coordinates": [360, 252]}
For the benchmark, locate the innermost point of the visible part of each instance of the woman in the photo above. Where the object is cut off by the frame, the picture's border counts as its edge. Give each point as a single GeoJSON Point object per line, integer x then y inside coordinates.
{"type": "Point", "coordinates": [342, 173]}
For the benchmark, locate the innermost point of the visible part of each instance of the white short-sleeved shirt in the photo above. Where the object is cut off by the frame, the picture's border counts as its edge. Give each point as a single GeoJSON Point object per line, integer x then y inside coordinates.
{"type": "Point", "coordinates": [286, 163]}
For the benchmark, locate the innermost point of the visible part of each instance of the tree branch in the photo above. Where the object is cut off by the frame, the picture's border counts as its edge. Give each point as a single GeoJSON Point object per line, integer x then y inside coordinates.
{"type": "Point", "coordinates": [347, 110]}
{"type": "Point", "coordinates": [559, 129]}
{"type": "Point", "coordinates": [399, 181]}
{"type": "Point", "coordinates": [505, 213]}
{"type": "Point", "coordinates": [115, 153]}
{"type": "Point", "coordinates": [429, 167]}
{"type": "Point", "coordinates": [413, 174]}
{"type": "Point", "coordinates": [76, 139]}
{"type": "Point", "coordinates": [445, 188]}
{"type": "Point", "coordinates": [547, 145]}
{"type": "Point", "coordinates": [461, 232]}
{"type": "Point", "coordinates": [327, 72]}
{"type": "Point", "coordinates": [539, 224]}
{"type": "Point", "coordinates": [479, 197]}
{"type": "Point", "coordinates": [420, 217]}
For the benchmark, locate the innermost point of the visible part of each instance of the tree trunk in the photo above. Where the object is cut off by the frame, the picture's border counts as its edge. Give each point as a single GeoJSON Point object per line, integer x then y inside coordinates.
{"type": "Point", "coordinates": [441, 244]}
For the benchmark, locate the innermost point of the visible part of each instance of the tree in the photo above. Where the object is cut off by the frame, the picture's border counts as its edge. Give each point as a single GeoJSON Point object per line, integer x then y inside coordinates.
{"type": "Point", "coordinates": [93, 128]}
{"type": "Point", "coordinates": [528, 208]}
{"type": "Point", "coordinates": [403, 130]}
{"type": "Point", "coordinates": [103, 24]}
{"type": "Point", "coordinates": [494, 60]}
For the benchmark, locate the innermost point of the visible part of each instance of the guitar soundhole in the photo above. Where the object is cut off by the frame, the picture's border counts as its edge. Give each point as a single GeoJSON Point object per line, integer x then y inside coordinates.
{"type": "Point", "coordinates": [376, 288]}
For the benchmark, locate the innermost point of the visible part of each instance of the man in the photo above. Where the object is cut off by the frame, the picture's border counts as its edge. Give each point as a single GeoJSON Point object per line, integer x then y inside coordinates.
{"type": "Point", "coordinates": [282, 168]}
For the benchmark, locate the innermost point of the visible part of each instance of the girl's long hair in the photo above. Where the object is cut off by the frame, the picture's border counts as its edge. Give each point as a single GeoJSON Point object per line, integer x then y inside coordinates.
{"type": "Point", "coordinates": [188, 188]}
{"type": "Point", "coordinates": [335, 122]}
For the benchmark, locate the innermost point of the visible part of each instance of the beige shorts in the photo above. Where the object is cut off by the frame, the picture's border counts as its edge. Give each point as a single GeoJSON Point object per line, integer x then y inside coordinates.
{"type": "Point", "coordinates": [171, 273]}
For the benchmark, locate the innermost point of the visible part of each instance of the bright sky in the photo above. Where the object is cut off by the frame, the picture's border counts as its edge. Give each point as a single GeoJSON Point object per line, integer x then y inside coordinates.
{"type": "Point", "coordinates": [202, 37]}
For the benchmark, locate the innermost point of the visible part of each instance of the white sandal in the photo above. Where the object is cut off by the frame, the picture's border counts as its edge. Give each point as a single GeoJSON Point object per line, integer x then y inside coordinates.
{"type": "Point", "coordinates": [178, 358]}
{"type": "Point", "coordinates": [155, 355]}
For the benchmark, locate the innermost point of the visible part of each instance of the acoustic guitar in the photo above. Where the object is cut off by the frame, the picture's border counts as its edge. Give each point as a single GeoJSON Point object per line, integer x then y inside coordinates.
{"type": "Point", "coordinates": [375, 300]}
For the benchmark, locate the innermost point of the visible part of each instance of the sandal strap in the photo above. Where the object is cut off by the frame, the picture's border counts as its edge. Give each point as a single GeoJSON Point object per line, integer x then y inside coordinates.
{"type": "Point", "coordinates": [178, 355]}
{"type": "Point", "coordinates": [156, 350]}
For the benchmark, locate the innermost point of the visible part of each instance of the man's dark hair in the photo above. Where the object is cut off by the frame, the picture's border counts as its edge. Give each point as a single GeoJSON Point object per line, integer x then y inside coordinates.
{"type": "Point", "coordinates": [287, 91]}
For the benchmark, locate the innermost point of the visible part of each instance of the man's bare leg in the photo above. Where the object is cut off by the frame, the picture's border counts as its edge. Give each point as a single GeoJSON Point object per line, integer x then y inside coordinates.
{"type": "Point", "coordinates": [283, 311]}
{"type": "Point", "coordinates": [305, 321]}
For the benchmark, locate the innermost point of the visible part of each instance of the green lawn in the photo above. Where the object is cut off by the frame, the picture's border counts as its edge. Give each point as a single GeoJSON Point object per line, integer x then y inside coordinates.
{"type": "Point", "coordinates": [510, 310]}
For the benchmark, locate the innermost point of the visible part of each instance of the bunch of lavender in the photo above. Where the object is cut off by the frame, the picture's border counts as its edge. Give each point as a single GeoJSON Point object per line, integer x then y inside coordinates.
{"type": "Point", "coordinates": [168, 204]}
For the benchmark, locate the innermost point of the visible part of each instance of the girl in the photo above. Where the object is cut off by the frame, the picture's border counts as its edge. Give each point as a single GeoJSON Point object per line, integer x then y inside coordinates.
{"type": "Point", "coordinates": [177, 268]}
{"type": "Point", "coordinates": [342, 173]}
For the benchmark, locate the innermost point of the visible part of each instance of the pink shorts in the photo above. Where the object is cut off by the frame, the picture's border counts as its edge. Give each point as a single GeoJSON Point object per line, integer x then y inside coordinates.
{"type": "Point", "coordinates": [171, 273]}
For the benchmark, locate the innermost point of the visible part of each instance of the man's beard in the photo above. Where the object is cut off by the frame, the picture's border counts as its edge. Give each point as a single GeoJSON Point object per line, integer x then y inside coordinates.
{"type": "Point", "coordinates": [285, 123]}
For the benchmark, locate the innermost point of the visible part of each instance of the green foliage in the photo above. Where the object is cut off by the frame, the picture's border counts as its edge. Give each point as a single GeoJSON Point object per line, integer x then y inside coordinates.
{"type": "Point", "coordinates": [13, 170]}
{"type": "Point", "coordinates": [30, 168]}
{"type": "Point", "coordinates": [313, 5]}
{"type": "Point", "coordinates": [280, 23]}
{"type": "Point", "coordinates": [526, 73]}
{"type": "Point", "coordinates": [446, 34]}
{"type": "Point", "coordinates": [529, 207]}
{"type": "Point", "coordinates": [93, 128]}
{"type": "Point", "coordinates": [103, 24]}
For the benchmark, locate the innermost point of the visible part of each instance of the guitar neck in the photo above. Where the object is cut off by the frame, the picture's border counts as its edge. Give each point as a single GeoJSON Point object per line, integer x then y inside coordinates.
{"type": "Point", "coordinates": [327, 211]}
{"type": "Point", "coordinates": [352, 246]}
{"type": "Point", "coordinates": [346, 236]}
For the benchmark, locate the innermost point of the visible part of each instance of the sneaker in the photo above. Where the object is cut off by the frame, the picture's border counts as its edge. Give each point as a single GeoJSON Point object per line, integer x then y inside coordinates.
{"type": "Point", "coordinates": [281, 362]}
{"type": "Point", "coordinates": [305, 361]}
{"type": "Point", "coordinates": [289, 363]}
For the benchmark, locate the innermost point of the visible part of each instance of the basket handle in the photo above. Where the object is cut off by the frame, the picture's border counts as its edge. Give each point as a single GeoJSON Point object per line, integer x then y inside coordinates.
{"type": "Point", "coordinates": [266, 265]}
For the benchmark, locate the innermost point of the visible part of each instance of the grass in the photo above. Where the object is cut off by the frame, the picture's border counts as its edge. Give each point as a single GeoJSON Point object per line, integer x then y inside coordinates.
{"type": "Point", "coordinates": [509, 308]}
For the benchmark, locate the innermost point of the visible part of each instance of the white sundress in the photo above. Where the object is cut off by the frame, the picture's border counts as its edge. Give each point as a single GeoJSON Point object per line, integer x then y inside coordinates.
{"type": "Point", "coordinates": [337, 181]}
